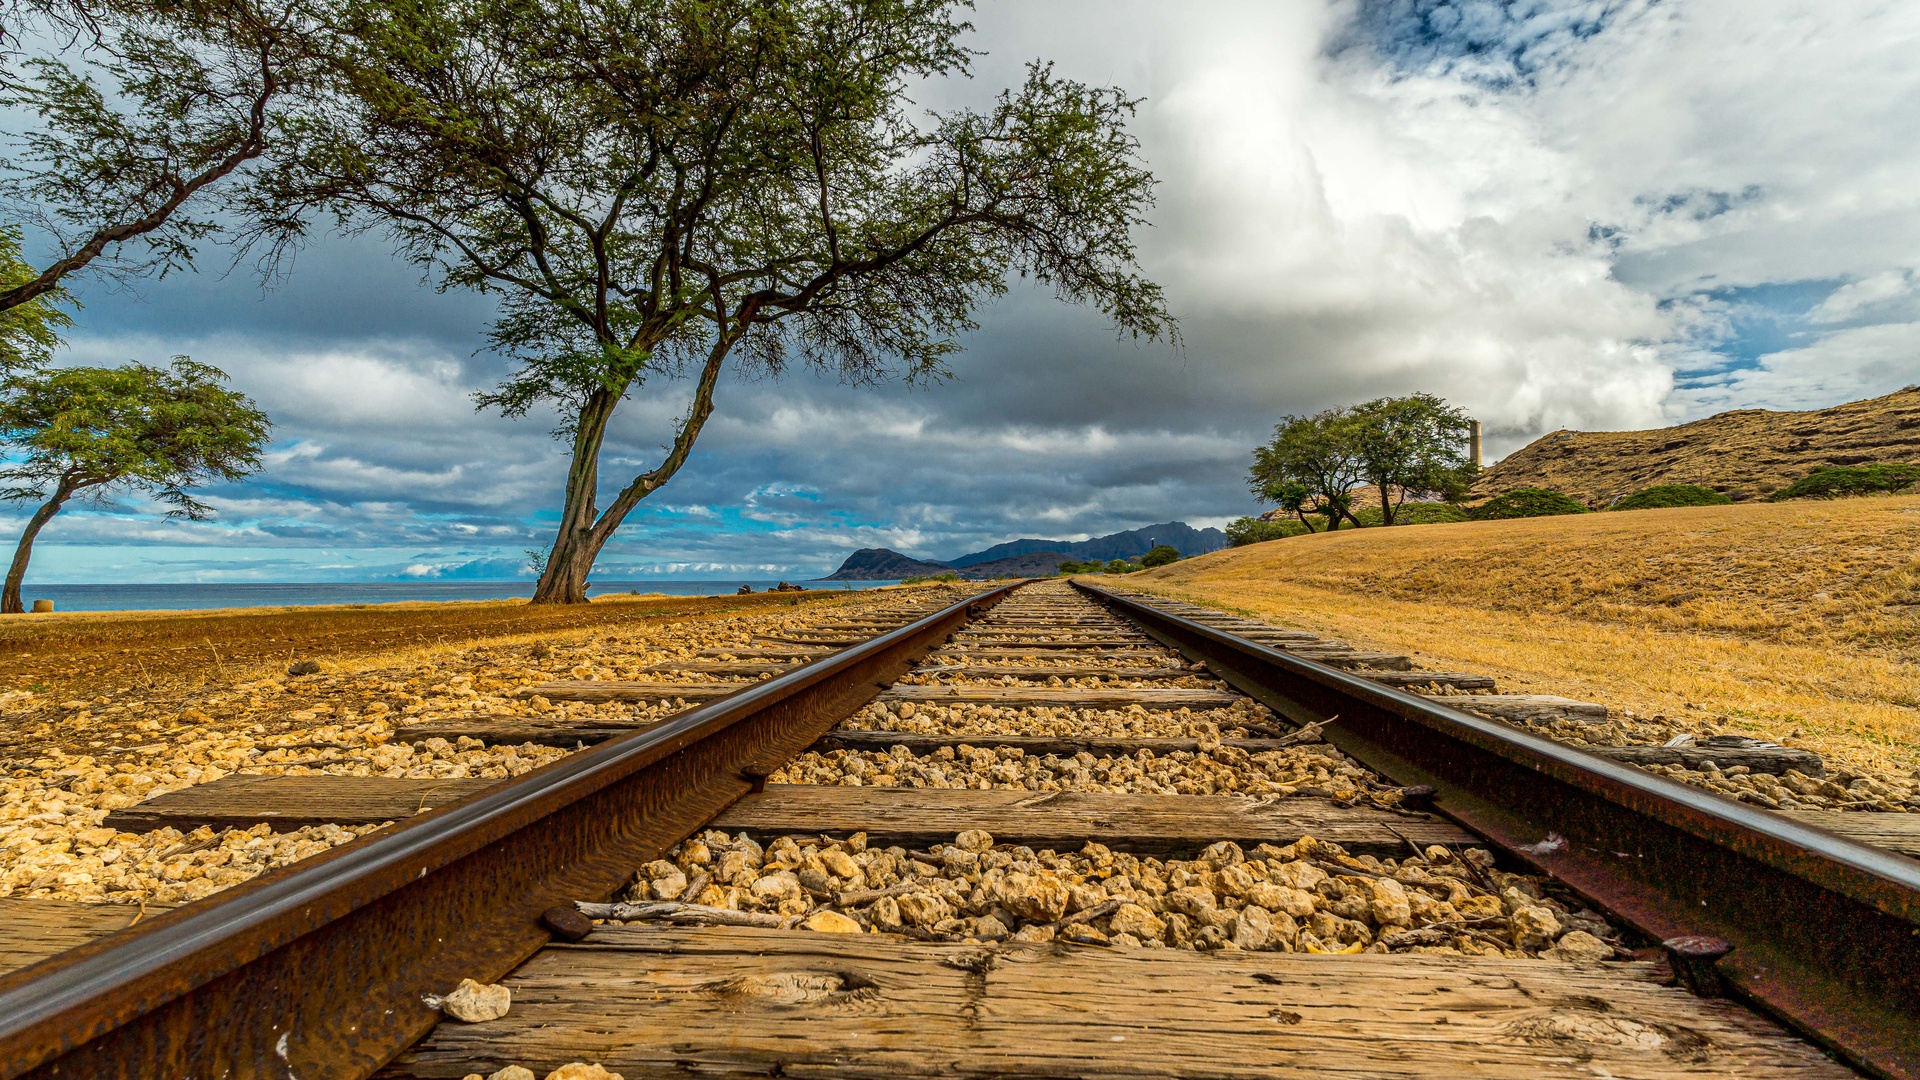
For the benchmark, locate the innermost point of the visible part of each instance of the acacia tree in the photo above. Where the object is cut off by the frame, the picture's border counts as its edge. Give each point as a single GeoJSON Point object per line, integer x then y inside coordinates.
{"type": "Point", "coordinates": [89, 431]}
{"type": "Point", "coordinates": [29, 331]}
{"type": "Point", "coordinates": [1411, 445]}
{"type": "Point", "coordinates": [656, 186]}
{"type": "Point", "coordinates": [1311, 466]}
{"type": "Point", "coordinates": [130, 124]}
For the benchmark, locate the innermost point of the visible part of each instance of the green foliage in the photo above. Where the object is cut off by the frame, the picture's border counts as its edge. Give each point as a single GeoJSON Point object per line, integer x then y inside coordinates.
{"type": "Point", "coordinates": [29, 330]}
{"type": "Point", "coordinates": [1161, 555]}
{"type": "Point", "coordinates": [1415, 513]}
{"type": "Point", "coordinates": [1849, 480]}
{"type": "Point", "coordinates": [653, 186]}
{"type": "Point", "coordinates": [88, 431]}
{"type": "Point", "coordinates": [1115, 566]}
{"type": "Point", "coordinates": [1527, 502]}
{"type": "Point", "coordinates": [160, 430]}
{"type": "Point", "coordinates": [1251, 530]}
{"type": "Point", "coordinates": [1661, 495]}
{"type": "Point", "coordinates": [131, 125]}
{"type": "Point", "coordinates": [1411, 446]}
{"type": "Point", "coordinates": [1403, 447]}
{"type": "Point", "coordinates": [1310, 466]}
{"type": "Point", "coordinates": [948, 576]}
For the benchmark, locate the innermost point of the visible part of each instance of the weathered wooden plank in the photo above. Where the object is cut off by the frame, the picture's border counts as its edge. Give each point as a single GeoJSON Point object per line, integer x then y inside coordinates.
{"type": "Point", "coordinates": [1139, 654]}
{"type": "Point", "coordinates": [292, 802]}
{"type": "Point", "coordinates": [1030, 645]}
{"type": "Point", "coordinates": [650, 1001]}
{"type": "Point", "coordinates": [1068, 819]}
{"type": "Point", "coordinates": [1768, 759]}
{"type": "Point", "coordinates": [1523, 708]}
{"type": "Point", "coordinates": [1353, 658]}
{"type": "Point", "coordinates": [988, 671]}
{"type": "Point", "coordinates": [721, 667]}
{"type": "Point", "coordinates": [1118, 697]}
{"type": "Point", "coordinates": [1044, 639]}
{"type": "Point", "coordinates": [519, 730]}
{"type": "Point", "coordinates": [602, 690]}
{"type": "Point", "coordinates": [1895, 832]}
{"type": "Point", "coordinates": [765, 652]}
{"type": "Point", "coordinates": [32, 930]}
{"type": "Point", "coordinates": [1416, 680]}
{"type": "Point", "coordinates": [1063, 745]}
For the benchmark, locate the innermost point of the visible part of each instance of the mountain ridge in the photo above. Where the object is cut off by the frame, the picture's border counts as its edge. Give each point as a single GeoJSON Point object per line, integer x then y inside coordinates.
{"type": "Point", "coordinates": [1028, 557]}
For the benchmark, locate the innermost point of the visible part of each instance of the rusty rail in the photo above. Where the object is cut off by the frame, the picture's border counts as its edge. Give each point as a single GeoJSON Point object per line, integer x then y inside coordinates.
{"type": "Point", "coordinates": [317, 970]}
{"type": "Point", "coordinates": [1825, 931]}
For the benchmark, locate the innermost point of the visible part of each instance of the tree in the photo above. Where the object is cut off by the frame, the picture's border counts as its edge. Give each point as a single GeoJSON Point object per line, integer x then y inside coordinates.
{"type": "Point", "coordinates": [1312, 463]}
{"type": "Point", "coordinates": [30, 330]}
{"type": "Point", "coordinates": [654, 186]}
{"type": "Point", "coordinates": [89, 431]}
{"type": "Point", "coordinates": [130, 120]}
{"type": "Point", "coordinates": [1411, 445]}
{"type": "Point", "coordinates": [1161, 555]}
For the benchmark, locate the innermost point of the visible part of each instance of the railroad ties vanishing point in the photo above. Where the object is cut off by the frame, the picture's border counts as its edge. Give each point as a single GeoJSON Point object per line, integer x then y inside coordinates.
{"type": "Point", "coordinates": [1051, 830]}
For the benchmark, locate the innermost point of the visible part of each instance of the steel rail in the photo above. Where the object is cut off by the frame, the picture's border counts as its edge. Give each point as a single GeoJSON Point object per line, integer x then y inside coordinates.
{"type": "Point", "coordinates": [317, 970]}
{"type": "Point", "coordinates": [1825, 931]}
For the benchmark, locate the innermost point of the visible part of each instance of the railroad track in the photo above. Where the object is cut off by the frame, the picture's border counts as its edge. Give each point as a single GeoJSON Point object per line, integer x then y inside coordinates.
{"type": "Point", "coordinates": [1042, 832]}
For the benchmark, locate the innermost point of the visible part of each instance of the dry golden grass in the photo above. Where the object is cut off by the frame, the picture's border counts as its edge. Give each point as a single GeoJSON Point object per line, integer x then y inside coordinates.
{"type": "Point", "coordinates": [1793, 621]}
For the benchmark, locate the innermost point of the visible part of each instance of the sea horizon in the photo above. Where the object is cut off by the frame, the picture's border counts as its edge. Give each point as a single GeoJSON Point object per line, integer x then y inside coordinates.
{"type": "Point", "coordinates": [195, 596]}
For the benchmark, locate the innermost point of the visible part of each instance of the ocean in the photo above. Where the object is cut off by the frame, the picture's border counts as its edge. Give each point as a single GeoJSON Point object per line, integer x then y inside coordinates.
{"type": "Point", "coordinates": [300, 594]}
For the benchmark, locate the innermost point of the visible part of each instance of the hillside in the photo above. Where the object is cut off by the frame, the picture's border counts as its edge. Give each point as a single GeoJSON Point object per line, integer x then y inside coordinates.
{"type": "Point", "coordinates": [1790, 621]}
{"type": "Point", "coordinates": [883, 564]}
{"type": "Point", "coordinates": [1746, 453]}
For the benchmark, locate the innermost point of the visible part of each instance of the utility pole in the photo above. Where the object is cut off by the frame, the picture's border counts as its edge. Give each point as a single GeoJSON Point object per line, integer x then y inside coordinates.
{"type": "Point", "coordinates": [1473, 442]}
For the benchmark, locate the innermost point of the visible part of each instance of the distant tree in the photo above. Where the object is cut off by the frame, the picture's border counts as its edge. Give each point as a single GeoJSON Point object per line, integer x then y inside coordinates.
{"type": "Point", "coordinates": [88, 431]}
{"type": "Point", "coordinates": [1252, 530]}
{"type": "Point", "coordinates": [1414, 445]}
{"type": "Point", "coordinates": [1528, 502]}
{"type": "Point", "coordinates": [1160, 555]}
{"type": "Point", "coordinates": [1841, 481]}
{"type": "Point", "coordinates": [1312, 463]}
{"type": "Point", "coordinates": [1295, 499]}
{"type": "Point", "coordinates": [656, 185]}
{"type": "Point", "coordinates": [1666, 495]}
{"type": "Point", "coordinates": [30, 330]}
{"type": "Point", "coordinates": [130, 122]}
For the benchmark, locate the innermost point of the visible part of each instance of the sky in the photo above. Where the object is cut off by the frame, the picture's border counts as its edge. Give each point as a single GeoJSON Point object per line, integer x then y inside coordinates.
{"type": "Point", "coordinates": [1580, 214]}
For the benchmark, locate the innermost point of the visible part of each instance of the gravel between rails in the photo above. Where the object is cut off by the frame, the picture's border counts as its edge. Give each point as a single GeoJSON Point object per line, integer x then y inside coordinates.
{"type": "Point", "coordinates": [1309, 896]}
{"type": "Point", "coordinates": [348, 721]}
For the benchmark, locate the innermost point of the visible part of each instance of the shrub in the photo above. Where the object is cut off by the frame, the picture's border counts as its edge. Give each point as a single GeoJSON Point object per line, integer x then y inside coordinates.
{"type": "Point", "coordinates": [1671, 495]}
{"type": "Point", "coordinates": [1251, 530]}
{"type": "Point", "coordinates": [1161, 555]}
{"type": "Point", "coordinates": [948, 576]}
{"type": "Point", "coordinates": [1527, 502]}
{"type": "Point", "coordinates": [1845, 480]}
{"type": "Point", "coordinates": [1122, 566]}
{"type": "Point", "coordinates": [1413, 513]}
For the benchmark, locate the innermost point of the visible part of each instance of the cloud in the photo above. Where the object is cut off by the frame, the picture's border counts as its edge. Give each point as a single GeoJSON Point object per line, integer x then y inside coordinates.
{"type": "Point", "coordinates": [1559, 213]}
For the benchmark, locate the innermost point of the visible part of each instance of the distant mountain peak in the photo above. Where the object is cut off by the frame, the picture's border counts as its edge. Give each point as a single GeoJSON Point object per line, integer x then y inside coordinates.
{"type": "Point", "coordinates": [884, 564]}
{"type": "Point", "coordinates": [1179, 535]}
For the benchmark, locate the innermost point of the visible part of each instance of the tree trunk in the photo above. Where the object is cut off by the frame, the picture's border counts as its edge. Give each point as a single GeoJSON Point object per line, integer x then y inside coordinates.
{"type": "Point", "coordinates": [575, 545]}
{"type": "Point", "coordinates": [10, 597]}
{"type": "Point", "coordinates": [583, 531]}
{"type": "Point", "coordinates": [1302, 515]}
{"type": "Point", "coordinates": [1386, 507]}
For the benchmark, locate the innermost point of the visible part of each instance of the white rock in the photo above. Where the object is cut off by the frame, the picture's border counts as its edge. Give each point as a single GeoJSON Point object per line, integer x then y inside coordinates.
{"type": "Point", "coordinates": [477, 1002]}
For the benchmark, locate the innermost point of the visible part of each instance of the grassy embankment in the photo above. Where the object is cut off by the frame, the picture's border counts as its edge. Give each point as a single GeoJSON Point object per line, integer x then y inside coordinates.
{"type": "Point", "coordinates": [1794, 621]}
